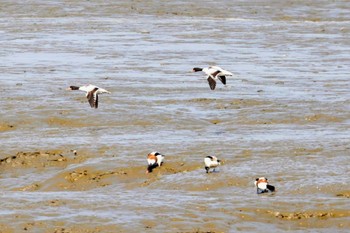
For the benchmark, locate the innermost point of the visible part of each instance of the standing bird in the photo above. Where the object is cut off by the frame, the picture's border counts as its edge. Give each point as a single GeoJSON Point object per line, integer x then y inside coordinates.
{"type": "Point", "coordinates": [211, 162]}
{"type": "Point", "coordinates": [154, 159]}
{"type": "Point", "coordinates": [214, 73]}
{"type": "Point", "coordinates": [263, 186]}
{"type": "Point", "coordinates": [92, 92]}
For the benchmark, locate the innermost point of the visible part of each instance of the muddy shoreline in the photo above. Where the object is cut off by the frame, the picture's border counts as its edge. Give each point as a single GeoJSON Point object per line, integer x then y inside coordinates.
{"type": "Point", "coordinates": [67, 168]}
{"type": "Point", "coordinates": [87, 178]}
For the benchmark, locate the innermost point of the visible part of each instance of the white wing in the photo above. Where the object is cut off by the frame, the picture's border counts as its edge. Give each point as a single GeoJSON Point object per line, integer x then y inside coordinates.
{"type": "Point", "coordinates": [222, 71]}
{"type": "Point", "coordinates": [210, 70]}
{"type": "Point", "coordinates": [87, 88]}
{"type": "Point", "coordinates": [101, 90]}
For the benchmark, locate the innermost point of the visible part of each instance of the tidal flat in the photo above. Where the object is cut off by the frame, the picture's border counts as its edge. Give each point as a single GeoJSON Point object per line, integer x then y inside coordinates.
{"type": "Point", "coordinates": [68, 168]}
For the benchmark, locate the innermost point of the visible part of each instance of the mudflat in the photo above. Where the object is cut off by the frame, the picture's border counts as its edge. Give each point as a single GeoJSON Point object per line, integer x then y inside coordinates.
{"type": "Point", "coordinates": [65, 167]}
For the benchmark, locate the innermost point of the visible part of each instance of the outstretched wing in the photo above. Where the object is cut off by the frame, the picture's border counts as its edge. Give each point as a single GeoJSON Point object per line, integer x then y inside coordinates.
{"type": "Point", "coordinates": [222, 71]}
{"type": "Point", "coordinates": [101, 91]}
{"type": "Point", "coordinates": [96, 100]}
{"type": "Point", "coordinates": [212, 83]}
{"type": "Point", "coordinates": [93, 98]}
{"type": "Point", "coordinates": [222, 78]}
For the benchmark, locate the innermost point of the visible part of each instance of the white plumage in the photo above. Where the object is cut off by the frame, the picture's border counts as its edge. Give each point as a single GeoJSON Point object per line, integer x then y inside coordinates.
{"type": "Point", "coordinates": [92, 93]}
{"type": "Point", "coordinates": [214, 73]}
{"type": "Point", "coordinates": [211, 162]}
{"type": "Point", "coordinates": [154, 159]}
{"type": "Point", "coordinates": [263, 186]}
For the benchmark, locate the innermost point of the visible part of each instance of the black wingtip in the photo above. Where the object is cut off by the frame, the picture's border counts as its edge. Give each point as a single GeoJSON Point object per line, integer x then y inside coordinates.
{"type": "Point", "coordinates": [270, 187]}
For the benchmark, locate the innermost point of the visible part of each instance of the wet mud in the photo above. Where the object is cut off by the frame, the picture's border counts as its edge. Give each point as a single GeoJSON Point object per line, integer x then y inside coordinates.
{"type": "Point", "coordinates": [5, 127]}
{"type": "Point", "coordinates": [67, 168]}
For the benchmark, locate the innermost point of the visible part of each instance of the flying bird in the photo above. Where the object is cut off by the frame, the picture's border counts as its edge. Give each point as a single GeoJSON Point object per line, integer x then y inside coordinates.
{"type": "Point", "coordinates": [92, 93]}
{"type": "Point", "coordinates": [154, 159]}
{"type": "Point", "coordinates": [214, 73]}
{"type": "Point", "coordinates": [211, 162]}
{"type": "Point", "coordinates": [263, 186]}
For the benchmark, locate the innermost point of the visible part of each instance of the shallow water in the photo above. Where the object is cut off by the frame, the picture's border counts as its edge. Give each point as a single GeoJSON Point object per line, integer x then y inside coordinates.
{"type": "Point", "coordinates": [284, 115]}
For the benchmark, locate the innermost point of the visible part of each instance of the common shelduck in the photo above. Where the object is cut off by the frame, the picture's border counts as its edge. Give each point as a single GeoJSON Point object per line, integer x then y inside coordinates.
{"type": "Point", "coordinates": [214, 73]}
{"type": "Point", "coordinates": [263, 186]}
{"type": "Point", "coordinates": [211, 162]}
{"type": "Point", "coordinates": [92, 93]}
{"type": "Point", "coordinates": [154, 159]}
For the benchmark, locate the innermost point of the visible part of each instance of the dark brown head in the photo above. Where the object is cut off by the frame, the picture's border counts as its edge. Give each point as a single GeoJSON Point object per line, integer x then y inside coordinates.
{"type": "Point", "coordinates": [196, 69]}
{"type": "Point", "coordinates": [73, 88]}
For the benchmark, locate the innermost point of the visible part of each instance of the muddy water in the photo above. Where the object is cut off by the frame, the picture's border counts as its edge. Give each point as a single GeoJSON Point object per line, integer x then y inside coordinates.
{"type": "Point", "coordinates": [284, 115]}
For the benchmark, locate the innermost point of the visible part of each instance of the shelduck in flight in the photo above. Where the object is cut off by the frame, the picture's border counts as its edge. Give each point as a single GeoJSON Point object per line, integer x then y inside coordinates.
{"type": "Point", "coordinates": [214, 73]}
{"type": "Point", "coordinates": [92, 93]}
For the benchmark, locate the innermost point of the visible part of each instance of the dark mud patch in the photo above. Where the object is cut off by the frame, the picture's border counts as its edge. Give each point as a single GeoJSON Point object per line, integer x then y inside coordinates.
{"type": "Point", "coordinates": [306, 151]}
{"type": "Point", "coordinates": [31, 187]}
{"type": "Point", "coordinates": [67, 122]}
{"type": "Point", "coordinates": [6, 229]}
{"type": "Point", "coordinates": [202, 100]}
{"type": "Point", "coordinates": [168, 169]}
{"type": "Point", "coordinates": [323, 118]}
{"type": "Point", "coordinates": [316, 218]}
{"type": "Point", "coordinates": [345, 194]}
{"type": "Point", "coordinates": [26, 163]}
{"type": "Point", "coordinates": [81, 179]}
{"type": "Point", "coordinates": [215, 183]}
{"type": "Point", "coordinates": [242, 103]}
{"type": "Point", "coordinates": [229, 103]}
{"type": "Point", "coordinates": [84, 229]}
{"type": "Point", "coordinates": [135, 122]}
{"type": "Point", "coordinates": [85, 177]}
{"type": "Point", "coordinates": [33, 160]}
{"type": "Point", "coordinates": [311, 214]}
{"type": "Point", "coordinates": [280, 118]}
{"type": "Point", "coordinates": [60, 227]}
{"type": "Point", "coordinates": [88, 178]}
{"type": "Point", "coordinates": [215, 121]}
{"type": "Point", "coordinates": [310, 218]}
{"type": "Point", "coordinates": [6, 127]}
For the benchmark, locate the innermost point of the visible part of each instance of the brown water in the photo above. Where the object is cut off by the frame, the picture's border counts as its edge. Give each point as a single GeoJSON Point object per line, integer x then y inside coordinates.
{"type": "Point", "coordinates": [284, 115]}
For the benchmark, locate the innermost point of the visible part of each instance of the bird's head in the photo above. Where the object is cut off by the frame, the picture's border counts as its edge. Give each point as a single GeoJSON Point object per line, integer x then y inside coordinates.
{"type": "Point", "coordinates": [260, 180]}
{"type": "Point", "coordinates": [71, 88]}
{"type": "Point", "coordinates": [196, 69]}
